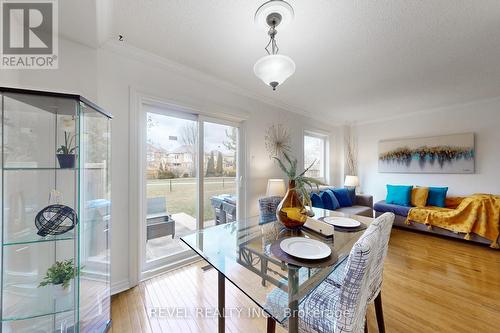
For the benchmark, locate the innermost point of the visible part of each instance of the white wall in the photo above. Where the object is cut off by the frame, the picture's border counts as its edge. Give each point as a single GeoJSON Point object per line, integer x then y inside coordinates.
{"type": "Point", "coordinates": [107, 76]}
{"type": "Point", "coordinates": [481, 117]}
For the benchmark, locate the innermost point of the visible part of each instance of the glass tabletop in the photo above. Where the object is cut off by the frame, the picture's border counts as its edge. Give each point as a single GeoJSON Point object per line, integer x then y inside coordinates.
{"type": "Point", "coordinates": [241, 251]}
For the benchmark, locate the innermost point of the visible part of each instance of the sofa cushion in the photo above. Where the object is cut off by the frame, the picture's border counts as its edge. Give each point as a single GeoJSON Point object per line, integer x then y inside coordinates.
{"type": "Point", "coordinates": [384, 207]}
{"type": "Point", "coordinates": [419, 196]}
{"type": "Point", "coordinates": [343, 197]}
{"type": "Point", "coordinates": [356, 210]}
{"type": "Point", "coordinates": [399, 195]}
{"type": "Point", "coordinates": [437, 196]}
{"type": "Point", "coordinates": [316, 200]}
{"type": "Point", "coordinates": [329, 200]}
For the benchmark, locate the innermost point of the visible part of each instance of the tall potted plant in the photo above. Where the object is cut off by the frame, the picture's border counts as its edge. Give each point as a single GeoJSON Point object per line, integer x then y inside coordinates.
{"type": "Point", "coordinates": [291, 211]}
{"type": "Point", "coordinates": [66, 152]}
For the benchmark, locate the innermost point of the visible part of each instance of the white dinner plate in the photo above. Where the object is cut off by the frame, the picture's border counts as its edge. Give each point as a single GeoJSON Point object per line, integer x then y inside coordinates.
{"type": "Point", "coordinates": [343, 222]}
{"type": "Point", "coordinates": [305, 248]}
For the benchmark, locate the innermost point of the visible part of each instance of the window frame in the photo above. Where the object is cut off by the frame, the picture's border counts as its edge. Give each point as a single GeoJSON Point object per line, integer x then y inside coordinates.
{"type": "Point", "coordinates": [326, 144]}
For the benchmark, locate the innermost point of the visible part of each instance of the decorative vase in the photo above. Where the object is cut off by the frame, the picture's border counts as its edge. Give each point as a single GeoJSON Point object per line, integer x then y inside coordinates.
{"type": "Point", "coordinates": [291, 212]}
{"type": "Point", "coordinates": [66, 161]}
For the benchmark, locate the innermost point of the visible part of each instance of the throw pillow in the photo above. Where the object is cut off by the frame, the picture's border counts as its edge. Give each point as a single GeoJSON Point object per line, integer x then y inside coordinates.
{"type": "Point", "coordinates": [399, 195]}
{"type": "Point", "coordinates": [343, 197]}
{"type": "Point", "coordinates": [329, 200]}
{"type": "Point", "coordinates": [352, 193]}
{"type": "Point", "coordinates": [419, 196]}
{"type": "Point", "coordinates": [437, 196]}
{"type": "Point", "coordinates": [316, 200]}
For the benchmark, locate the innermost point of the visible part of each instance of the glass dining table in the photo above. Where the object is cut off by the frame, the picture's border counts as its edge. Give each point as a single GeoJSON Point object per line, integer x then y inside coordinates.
{"type": "Point", "coordinates": [241, 253]}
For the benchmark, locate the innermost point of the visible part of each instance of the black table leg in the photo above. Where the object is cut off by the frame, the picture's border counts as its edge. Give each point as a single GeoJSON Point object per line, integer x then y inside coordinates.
{"type": "Point", "coordinates": [293, 302]}
{"type": "Point", "coordinates": [222, 302]}
{"type": "Point", "coordinates": [271, 325]}
{"type": "Point", "coordinates": [380, 313]}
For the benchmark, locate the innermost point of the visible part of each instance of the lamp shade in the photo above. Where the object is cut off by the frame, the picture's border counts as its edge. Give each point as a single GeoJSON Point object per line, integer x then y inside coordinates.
{"type": "Point", "coordinates": [274, 69]}
{"type": "Point", "coordinates": [351, 181]}
{"type": "Point", "coordinates": [275, 188]}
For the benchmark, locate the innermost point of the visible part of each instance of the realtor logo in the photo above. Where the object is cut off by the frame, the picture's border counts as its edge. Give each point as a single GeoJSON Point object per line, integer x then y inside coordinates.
{"type": "Point", "coordinates": [29, 36]}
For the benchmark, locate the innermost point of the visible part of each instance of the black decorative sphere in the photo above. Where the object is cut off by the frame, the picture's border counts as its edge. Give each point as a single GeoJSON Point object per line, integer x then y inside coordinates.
{"type": "Point", "coordinates": [55, 220]}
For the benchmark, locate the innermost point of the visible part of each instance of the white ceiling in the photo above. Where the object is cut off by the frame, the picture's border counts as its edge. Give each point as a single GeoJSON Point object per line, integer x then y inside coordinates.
{"type": "Point", "coordinates": [356, 60]}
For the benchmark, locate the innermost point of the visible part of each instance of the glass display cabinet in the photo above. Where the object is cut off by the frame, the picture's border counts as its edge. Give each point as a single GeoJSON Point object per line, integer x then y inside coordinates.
{"type": "Point", "coordinates": [55, 213]}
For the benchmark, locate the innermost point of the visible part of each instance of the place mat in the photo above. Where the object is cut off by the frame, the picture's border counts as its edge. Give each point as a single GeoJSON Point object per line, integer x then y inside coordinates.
{"type": "Point", "coordinates": [361, 226]}
{"type": "Point", "coordinates": [283, 256]}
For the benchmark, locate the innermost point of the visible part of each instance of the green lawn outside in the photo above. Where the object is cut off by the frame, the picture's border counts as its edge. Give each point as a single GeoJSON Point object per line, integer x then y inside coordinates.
{"type": "Point", "coordinates": [180, 193]}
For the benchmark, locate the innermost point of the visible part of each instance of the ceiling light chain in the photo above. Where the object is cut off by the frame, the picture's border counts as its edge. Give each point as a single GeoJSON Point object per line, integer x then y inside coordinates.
{"type": "Point", "coordinates": [272, 41]}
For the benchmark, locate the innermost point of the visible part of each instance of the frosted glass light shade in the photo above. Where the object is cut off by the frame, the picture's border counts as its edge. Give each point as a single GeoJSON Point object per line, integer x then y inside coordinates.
{"type": "Point", "coordinates": [274, 69]}
{"type": "Point", "coordinates": [275, 187]}
{"type": "Point", "coordinates": [351, 181]}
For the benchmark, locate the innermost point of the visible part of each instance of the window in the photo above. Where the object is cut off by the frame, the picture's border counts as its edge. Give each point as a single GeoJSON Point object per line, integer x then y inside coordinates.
{"type": "Point", "coordinates": [315, 152]}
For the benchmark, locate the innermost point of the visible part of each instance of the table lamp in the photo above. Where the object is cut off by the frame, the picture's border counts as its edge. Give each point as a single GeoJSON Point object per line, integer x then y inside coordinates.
{"type": "Point", "coordinates": [351, 181]}
{"type": "Point", "coordinates": [276, 188]}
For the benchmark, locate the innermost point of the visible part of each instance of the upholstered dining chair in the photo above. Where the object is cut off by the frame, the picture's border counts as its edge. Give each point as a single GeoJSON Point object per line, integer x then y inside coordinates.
{"type": "Point", "coordinates": [339, 303]}
{"type": "Point", "coordinates": [267, 208]}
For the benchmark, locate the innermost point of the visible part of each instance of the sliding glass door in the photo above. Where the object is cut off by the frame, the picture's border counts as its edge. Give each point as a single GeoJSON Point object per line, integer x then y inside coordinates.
{"type": "Point", "coordinates": [220, 155]}
{"type": "Point", "coordinates": [190, 172]}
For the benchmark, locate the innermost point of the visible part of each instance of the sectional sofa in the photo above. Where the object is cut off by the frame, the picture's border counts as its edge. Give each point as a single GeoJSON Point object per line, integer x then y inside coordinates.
{"type": "Point", "coordinates": [401, 213]}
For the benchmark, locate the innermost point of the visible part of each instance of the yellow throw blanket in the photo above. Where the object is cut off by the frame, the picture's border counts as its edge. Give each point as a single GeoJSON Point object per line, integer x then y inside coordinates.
{"type": "Point", "coordinates": [478, 213]}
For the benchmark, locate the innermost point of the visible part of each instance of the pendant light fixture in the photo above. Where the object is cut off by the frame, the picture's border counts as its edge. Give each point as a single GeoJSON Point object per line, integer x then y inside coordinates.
{"type": "Point", "coordinates": [274, 68]}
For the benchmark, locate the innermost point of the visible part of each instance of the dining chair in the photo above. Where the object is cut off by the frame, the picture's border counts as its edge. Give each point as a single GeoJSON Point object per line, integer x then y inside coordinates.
{"type": "Point", "coordinates": [267, 208]}
{"type": "Point", "coordinates": [339, 303]}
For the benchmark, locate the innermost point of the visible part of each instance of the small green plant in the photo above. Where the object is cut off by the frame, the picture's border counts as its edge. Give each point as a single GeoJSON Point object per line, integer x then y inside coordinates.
{"type": "Point", "coordinates": [62, 272]}
{"type": "Point", "coordinates": [68, 147]}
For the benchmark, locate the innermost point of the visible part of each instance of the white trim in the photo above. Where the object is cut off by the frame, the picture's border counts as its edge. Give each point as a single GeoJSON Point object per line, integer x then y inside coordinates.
{"type": "Point", "coordinates": [189, 107]}
{"type": "Point", "coordinates": [200, 218]}
{"type": "Point", "coordinates": [241, 207]}
{"type": "Point", "coordinates": [425, 111]}
{"type": "Point", "coordinates": [316, 132]}
{"type": "Point", "coordinates": [119, 286]}
{"type": "Point", "coordinates": [158, 263]}
{"type": "Point", "coordinates": [170, 267]}
{"type": "Point", "coordinates": [134, 188]}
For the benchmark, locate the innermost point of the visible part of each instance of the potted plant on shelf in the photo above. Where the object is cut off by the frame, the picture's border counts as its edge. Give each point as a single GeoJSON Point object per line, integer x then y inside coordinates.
{"type": "Point", "coordinates": [60, 276]}
{"type": "Point", "coordinates": [66, 152]}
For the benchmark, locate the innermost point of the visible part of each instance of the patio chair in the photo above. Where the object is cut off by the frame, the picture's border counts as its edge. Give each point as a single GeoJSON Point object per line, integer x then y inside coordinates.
{"type": "Point", "coordinates": [158, 221]}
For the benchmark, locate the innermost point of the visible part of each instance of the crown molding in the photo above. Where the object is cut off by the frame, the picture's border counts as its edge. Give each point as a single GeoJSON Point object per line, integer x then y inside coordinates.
{"type": "Point", "coordinates": [141, 55]}
{"type": "Point", "coordinates": [426, 111]}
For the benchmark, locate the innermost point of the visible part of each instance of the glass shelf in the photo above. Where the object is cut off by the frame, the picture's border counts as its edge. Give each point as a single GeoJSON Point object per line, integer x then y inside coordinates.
{"type": "Point", "coordinates": [34, 169]}
{"type": "Point", "coordinates": [30, 239]}
{"type": "Point", "coordinates": [63, 322]}
{"type": "Point", "coordinates": [37, 315]}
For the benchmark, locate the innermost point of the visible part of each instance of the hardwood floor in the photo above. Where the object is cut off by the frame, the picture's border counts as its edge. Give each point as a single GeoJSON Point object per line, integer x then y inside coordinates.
{"type": "Point", "coordinates": [431, 284]}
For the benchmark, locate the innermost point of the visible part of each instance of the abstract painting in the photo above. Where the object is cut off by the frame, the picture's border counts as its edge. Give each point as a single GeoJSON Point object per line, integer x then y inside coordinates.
{"type": "Point", "coordinates": [437, 154]}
